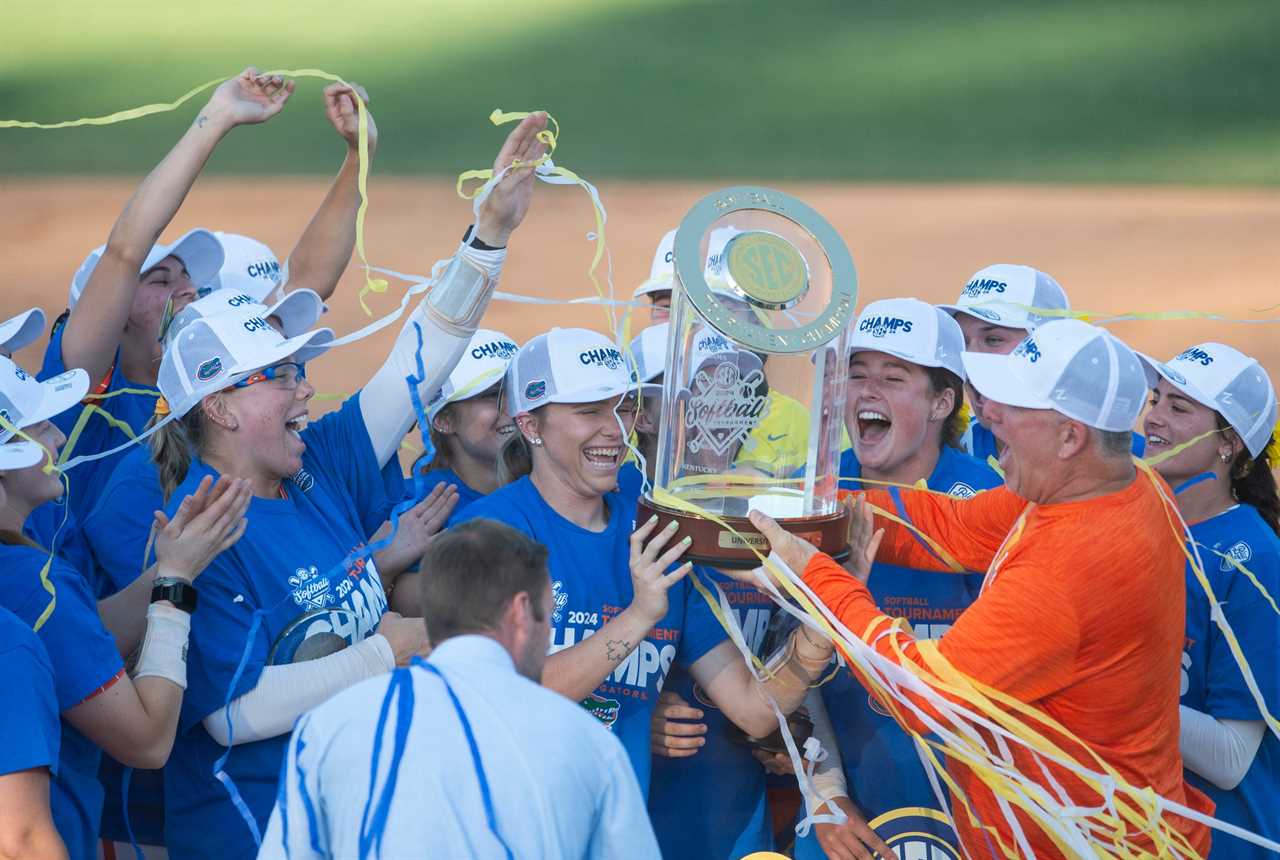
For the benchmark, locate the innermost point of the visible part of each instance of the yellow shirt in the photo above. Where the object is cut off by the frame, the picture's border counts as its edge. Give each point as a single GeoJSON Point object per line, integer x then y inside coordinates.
{"type": "Point", "coordinates": [779, 444]}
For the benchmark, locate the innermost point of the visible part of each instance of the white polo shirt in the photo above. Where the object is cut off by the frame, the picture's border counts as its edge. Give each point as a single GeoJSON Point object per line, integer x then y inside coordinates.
{"type": "Point", "coordinates": [560, 784]}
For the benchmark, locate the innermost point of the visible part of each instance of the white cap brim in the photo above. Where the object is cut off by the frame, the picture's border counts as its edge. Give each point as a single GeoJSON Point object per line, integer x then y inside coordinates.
{"type": "Point", "coordinates": [478, 386]}
{"type": "Point", "coordinates": [59, 393]}
{"type": "Point", "coordinates": [664, 284]}
{"type": "Point", "coordinates": [913, 359]}
{"type": "Point", "coordinates": [19, 454]}
{"type": "Point", "coordinates": [298, 311]}
{"type": "Point", "coordinates": [21, 330]}
{"type": "Point", "coordinates": [200, 252]}
{"type": "Point", "coordinates": [990, 317]}
{"type": "Point", "coordinates": [302, 349]}
{"type": "Point", "coordinates": [592, 394]}
{"type": "Point", "coordinates": [1155, 371]}
{"type": "Point", "coordinates": [994, 377]}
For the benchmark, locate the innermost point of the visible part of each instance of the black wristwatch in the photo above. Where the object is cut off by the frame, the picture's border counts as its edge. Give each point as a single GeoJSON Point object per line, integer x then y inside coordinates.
{"type": "Point", "coordinates": [470, 239]}
{"type": "Point", "coordinates": [179, 592]}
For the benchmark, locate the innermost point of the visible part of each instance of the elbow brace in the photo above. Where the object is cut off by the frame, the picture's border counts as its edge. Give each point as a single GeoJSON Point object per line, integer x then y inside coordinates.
{"type": "Point", "coordinates": [448, 317]}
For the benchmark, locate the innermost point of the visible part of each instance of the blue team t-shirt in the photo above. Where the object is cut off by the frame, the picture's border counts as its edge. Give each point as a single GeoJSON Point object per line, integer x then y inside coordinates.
{"type": "Point", "coordinates": [591, 583]}
{"type": "Point", "coordinates": [712, 804]}
{"type": "Point", "coordinates": [119, 520]}
{"type": "Point", "coordinates": [29, 714]}
{"type": "Point", "coordinates": [436, 477]}
{"type": "Point", "coordinates": [134, 410]}
{"type": "Point", "coordinates": [55, 519]}
{"type": "Point", "coordinates": [1211, 680]}
{"type": "Point", "coordinates": [980, 442]}
{"type": "Point", "coordinates": [885, 778]}
{"type": "Point", "coordinates": [84, 659]}
{"type": "Point", "coordinates": [287, 569]}
{"type": "Point", "coordinates": [630, 481]}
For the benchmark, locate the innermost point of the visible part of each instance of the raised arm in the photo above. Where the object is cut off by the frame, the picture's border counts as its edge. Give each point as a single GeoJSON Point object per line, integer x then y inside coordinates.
{"type": "Point", "coordinates": [970, 530]}
{"type": "Point", "coordinates": [576, 671]}
{"type": "Point", "coordinates": [449, 315]}
{"type": "Point", "coordinates": [324, 250]}
{"type": "Point", "coordinates": [96, 325]}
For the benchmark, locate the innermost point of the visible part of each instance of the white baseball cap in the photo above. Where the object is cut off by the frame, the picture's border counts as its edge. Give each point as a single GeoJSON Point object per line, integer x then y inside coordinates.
{"type": "Point", "coordinates": [912, 330]}
{"type": "Point", "coordinates": [566, 365]}
{"type": "Point", "coordinates": [1004, 293]}
{"type": "Point", "coordinates": [215, 352]}
{"type": "Point", "coordinates": [1071, 367]}
{"type": "Point", "coordinates": [649, 353]}
{"type": "Point", "coordinates": [199, 250]}
{"type": "Point", "coordinates": [298, 311]}
{"type": "Point", "coordinates": [663, 271]}
{"type": "Point", "coordinates": [487, 357]}
{"type": "Point", "coordinates": [1226, 381]}
{"type": "Point", "coordinates": [24, 402]}
{"type": "Point", "coordinates": [248, 267]}
{"type": "Point", "coordinates": [17, 332]}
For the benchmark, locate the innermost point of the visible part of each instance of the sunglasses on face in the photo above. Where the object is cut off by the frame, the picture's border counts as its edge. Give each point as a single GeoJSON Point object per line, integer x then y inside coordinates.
{"type": "Point", "coordinates": [290, 373]}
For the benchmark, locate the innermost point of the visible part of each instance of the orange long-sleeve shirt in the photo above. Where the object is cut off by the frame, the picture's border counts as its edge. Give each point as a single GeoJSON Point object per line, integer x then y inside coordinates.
{"type": "Point", "coordinates": [1081, 616]}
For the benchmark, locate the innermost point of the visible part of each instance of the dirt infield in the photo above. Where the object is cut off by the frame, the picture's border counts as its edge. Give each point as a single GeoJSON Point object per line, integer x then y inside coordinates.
{"type": "Point", "coordinates": [1114, 249]}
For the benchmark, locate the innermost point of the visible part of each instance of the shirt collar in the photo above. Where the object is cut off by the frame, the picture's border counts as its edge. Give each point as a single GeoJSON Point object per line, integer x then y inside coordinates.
{"type": "Point", "coordinates": [470, 649]}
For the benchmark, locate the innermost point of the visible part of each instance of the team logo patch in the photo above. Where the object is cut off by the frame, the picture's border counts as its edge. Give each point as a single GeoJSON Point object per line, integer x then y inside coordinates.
{"type": "Point", "coordinates": [983, 286]}
{"type": "Point", "coordinates": [918, 832]}
{"type": "Point", "coordinates": [882, 326]}
{"type": "Point", "coordinates": [310, 589]}
{"type": "Point", "coordinates": [985, 314]}
{"type": "Point", "coordinates": [20, 373]}
{"type": "Point", "coordinates": [602, 357]}
{"type": "Point", "coordinates": [558, 600]}
{"type": "Point", "coordinates": [1028, 348]}
{"type": "Point", "coordinates": [1240, 552]}
{"type": "Point", "coordinates": [604, 710]}
{"type": "Point", "coordinates": [209, 369]}
{"type": "Point", "coordinates": [1195, 354]}
{"type": "Point", "coordinates": [495, 349]}
{"type": "Point", "coordinates": [535, 390]}
{"type": "Point", "coordinates": [961, 490]}
{"type": "Point", "coordinates": [714, 343]}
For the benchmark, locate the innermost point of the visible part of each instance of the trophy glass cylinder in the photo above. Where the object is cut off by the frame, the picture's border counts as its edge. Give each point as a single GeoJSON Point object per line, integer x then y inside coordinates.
{"type": "Point", "coordinates": [753, 395]}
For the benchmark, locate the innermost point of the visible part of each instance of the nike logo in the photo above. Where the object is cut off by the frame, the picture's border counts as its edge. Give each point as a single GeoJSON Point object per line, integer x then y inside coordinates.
{"type": "Point", "coordinates": [773, 438]}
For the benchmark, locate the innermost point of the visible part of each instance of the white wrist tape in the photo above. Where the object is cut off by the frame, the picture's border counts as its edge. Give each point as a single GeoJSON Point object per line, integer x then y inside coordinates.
{"type": "Point", "coordinates": [164, 650]}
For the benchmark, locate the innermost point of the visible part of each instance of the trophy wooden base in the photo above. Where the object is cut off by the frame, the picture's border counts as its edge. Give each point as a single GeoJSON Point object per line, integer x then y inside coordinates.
{"type": "Point", "coordinates": [718, 547]}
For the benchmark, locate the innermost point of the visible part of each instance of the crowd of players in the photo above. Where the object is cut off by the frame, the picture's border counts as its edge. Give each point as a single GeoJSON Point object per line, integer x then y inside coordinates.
{"type": "Point", "coordinates": [235, 606]}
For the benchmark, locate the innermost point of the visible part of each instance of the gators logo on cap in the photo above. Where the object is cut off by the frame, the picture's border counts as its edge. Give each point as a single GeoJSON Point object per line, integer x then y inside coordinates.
{"type": "Point", "coordinates": [535, 389]}
{"type": "Point", "coordinates": [209, 369]}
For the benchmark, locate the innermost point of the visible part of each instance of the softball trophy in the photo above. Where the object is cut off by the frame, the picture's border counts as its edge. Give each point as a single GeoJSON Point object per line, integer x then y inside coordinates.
{"type": "Point", "coordinates": [753, 396]}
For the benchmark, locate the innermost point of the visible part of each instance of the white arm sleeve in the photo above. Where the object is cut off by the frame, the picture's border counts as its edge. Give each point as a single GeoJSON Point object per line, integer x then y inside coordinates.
{"type": "Point", "coordinates": [299, 804]}
{"type": "Point", "coordinates": [1221, 751]}
{"type": "Point", "coordinates": [448, 317]}
{"type": "Point", "coordinates": [828, 774]}
{"type": "Point", "coordinates": [284, 693]}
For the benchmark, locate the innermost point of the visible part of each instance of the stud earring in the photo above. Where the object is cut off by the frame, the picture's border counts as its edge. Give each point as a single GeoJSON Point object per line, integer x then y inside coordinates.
{"type": "Point", "coordinates": [1224, 456]}
{"type": "Point", "coordinates": [536, 440]}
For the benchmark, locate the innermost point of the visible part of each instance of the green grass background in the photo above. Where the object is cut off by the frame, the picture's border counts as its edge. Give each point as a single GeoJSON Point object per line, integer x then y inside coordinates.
{"type": "Point", "coordinates": [1113, 91]}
